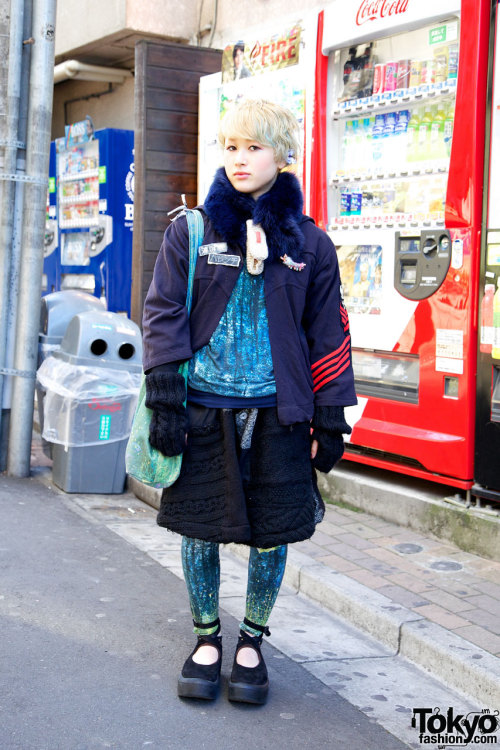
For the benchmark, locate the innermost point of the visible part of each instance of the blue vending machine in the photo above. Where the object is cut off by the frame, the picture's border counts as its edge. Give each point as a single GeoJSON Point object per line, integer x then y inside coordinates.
{"type": "Point", "coordinates": [51, 259]}
{"type": "Point", "coordinates": [95, 197]}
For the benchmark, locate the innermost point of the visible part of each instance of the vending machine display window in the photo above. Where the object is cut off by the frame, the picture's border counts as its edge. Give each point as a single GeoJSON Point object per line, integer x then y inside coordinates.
{"type": "Point", "coordinates": [386, 375]}
{"type": "Point", "coordinates": [95, 201]}
{"type": "Point", "coordinates": [393, 124]}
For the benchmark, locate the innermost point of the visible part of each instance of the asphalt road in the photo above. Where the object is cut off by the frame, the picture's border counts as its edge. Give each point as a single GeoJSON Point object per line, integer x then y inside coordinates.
{"type": "Point", "coordinates": [93, 634]}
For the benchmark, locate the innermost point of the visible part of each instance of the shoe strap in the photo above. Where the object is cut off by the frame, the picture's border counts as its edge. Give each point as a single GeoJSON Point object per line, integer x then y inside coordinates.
{"type": "Point", "coordinates": [245, 639]}
{"type": "Point", "coordinates": [263, 629]}
{"type": "Point", "coordinates": [208, 625]}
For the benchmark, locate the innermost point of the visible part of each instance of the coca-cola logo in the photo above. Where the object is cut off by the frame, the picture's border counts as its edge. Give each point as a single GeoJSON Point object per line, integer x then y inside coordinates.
{"type": "Point", "coordinates": [370, 10]}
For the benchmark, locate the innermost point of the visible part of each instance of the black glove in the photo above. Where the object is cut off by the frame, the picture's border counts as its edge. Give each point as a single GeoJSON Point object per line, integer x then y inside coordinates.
{"type": "Point", "coordinates": [328, 426]}
{"type": "Point", "coordinates": [165, 396]}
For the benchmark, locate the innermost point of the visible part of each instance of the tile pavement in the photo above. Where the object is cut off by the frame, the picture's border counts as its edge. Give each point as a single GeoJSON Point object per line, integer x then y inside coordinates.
{"type": "Point", "coordinates": [455, 589]}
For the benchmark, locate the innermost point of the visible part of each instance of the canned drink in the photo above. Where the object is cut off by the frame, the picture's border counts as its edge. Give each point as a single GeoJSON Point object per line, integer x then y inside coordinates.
{"type": "Point", "coordinates": [391, 73]}
{"type": "Point", "coordinates": [403, 75]}
{"type": "Point", "coordinates": [428, 71]}
{"type": "Point", "coordinates": [379, 78]}
{"type": "Point", "coordinates": [415, 72]}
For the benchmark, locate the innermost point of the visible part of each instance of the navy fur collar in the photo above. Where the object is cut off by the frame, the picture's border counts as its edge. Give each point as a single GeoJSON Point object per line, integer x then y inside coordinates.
{"type": "Point", "coordinates": [279, 212]}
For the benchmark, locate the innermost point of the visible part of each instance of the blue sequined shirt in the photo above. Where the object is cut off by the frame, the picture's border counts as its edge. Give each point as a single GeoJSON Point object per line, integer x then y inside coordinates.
{"type": "Point", "coordinates": [236, 363]}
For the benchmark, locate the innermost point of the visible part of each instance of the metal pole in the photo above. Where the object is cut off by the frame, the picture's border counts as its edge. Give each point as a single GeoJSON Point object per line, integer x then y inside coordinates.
{"type": "Point", "coordinates": [10, 98]}
{"type": "Point", "coordinates": [37, 166]}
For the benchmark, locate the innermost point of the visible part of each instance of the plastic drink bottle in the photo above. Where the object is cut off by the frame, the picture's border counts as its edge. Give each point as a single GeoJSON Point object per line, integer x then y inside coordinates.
{"type": "Point", "coordinates": [495, 352]}
{"type": "Point", "coordinates": [437, 148]}
{"type": "Point", "coordinates": [377, 135]}
{"type": "Point", "coordinates": [424, 133]}
{"type": "Point", "coordinates": [399, 140]}
{"type": "Point", "coordinates": [346, 145]}
{"type": "Point", "coordinates": [486, 342]}
{"type": "Point", "coordinates": [366, 146]}
{"type": "Point", "coordinates": [448, 129]}
{"type": "Point", "coordinates": [356, 145]}
{"type": "Point", "coordinates": [412, 137]}
{"type": "Point", "coordinates": [345, 202]}
{"type": "Point", "coordinates": [388, 141]}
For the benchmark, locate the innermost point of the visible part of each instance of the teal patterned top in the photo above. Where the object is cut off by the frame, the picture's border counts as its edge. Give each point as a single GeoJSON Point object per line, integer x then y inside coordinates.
{"type": "Point", "coordinates": [237, 360]}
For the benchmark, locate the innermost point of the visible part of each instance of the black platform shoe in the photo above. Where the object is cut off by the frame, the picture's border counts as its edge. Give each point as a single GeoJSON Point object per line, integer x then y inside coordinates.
{"type": "Point", "coordinates": [249, 684]}
{"type": "Point", "coordinates": [202, 680]}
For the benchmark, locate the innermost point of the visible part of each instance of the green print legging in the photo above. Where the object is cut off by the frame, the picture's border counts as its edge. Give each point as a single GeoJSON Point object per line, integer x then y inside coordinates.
{"type": "Point", "coordinates": [201, 565]}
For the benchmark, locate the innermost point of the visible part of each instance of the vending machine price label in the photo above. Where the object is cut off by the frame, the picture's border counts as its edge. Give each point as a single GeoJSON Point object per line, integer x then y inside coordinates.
{"type": "Point", "coordinates": [449, 351]}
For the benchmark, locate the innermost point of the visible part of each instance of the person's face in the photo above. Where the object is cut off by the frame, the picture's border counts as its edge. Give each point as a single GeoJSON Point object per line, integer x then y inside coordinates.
{"type": "Point", "coordinates": [238, 58]}
{"type": "Point", "coordinates": [250, 166]}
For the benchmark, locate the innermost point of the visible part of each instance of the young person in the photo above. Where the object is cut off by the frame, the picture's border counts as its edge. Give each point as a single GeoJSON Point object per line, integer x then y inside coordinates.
{"type": "Point", "coordinates": [269, 375]}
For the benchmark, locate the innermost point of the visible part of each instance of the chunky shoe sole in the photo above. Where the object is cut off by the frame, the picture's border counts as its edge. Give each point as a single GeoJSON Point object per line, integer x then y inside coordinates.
{"type": "Point", "coordinates": [196, 687]}
{"type": "Point", "coordinates": [242, 692]}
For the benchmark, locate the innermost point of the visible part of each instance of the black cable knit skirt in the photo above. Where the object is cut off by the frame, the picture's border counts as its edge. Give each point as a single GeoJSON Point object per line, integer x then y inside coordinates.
{"type": "Point", "coordinates": [251, 484]}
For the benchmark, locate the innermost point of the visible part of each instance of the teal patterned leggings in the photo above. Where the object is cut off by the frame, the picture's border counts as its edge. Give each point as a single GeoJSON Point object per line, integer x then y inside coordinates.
{"type": "Point", "coordinates": [201, 565]}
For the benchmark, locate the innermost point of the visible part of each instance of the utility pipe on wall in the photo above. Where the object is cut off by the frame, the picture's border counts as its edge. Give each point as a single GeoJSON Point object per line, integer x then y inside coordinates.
{"type": "Point", "coordinates": [37, 166]}
{"type": "Point", "coordinates": [10, 150]}
{"type": "Point", "coordinates": [73, 69]}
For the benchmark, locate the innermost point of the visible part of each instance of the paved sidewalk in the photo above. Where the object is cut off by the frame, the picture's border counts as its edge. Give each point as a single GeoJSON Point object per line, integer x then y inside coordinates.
{"type": "Point", "coordinates": [425, 599]}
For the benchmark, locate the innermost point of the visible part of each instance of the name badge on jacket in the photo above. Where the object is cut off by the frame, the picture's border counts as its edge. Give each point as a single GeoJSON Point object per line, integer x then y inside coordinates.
{"type": "Point", "coordinates": [213, 247]}
{"type": "Point", "coordinates": [223, 260]}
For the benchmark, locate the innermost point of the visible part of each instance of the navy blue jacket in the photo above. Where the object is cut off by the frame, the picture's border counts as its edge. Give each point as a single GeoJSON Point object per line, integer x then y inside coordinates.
{"type": "Point", "coordinates": [308, 324]}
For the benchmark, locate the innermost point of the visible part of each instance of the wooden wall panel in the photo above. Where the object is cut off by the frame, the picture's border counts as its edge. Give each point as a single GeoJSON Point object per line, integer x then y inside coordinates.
{"type": "Point", "coordinates": [166, 144]}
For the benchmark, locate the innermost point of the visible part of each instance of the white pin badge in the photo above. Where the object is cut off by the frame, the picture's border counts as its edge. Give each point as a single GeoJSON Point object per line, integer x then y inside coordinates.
{"type": "Point", "coordinates": [257, 251]}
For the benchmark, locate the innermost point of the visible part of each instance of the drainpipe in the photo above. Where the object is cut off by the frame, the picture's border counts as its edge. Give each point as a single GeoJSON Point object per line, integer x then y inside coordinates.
{"type": "Point", "coordinates": [9, 141]}
{"type": "Point", "coordinates": [83, 72]}
{"type": "Point", "coordinates": [41, 87]}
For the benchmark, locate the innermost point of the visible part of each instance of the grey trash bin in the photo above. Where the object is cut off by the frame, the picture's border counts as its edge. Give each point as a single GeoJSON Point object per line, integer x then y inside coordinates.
{"type": "Point", "coordinates": [92, 383]}
{"type": "Point", "coordinates": [56, 310]}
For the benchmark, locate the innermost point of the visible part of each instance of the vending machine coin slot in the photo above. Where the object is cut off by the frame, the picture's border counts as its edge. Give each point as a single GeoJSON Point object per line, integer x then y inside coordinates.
{"type": "Point", "coordinates": [451, 387]}
{"type": "Point", "coordinates": [421, 262]}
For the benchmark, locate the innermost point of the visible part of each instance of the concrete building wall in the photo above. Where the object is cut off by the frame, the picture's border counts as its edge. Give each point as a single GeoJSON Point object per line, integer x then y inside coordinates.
{"type": "Point", "coordinates": [110, 110]}
{"type": "Point", "coordinates": [79, 24]}
{"type": "Point", "coordinates": [104, 32]}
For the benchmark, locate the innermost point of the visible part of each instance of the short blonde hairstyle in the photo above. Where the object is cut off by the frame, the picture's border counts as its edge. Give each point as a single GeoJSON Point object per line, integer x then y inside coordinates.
{"type": "Point", "coordinates": [265, 122]}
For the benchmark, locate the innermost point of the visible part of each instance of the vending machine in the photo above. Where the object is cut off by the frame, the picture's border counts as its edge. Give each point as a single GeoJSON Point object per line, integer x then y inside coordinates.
{"type": "Point", "coordinates": [404, 90]}
{"type": "Point", "coordinates": [487, 454]}
{"type": "Point", "coordinates": [95, 200]}
{"type": "Point", "coordinates": [51, 259]}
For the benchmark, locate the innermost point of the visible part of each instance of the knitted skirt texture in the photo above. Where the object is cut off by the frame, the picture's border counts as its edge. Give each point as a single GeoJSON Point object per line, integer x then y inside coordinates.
{"type": "Point", "coordinates": [260, 491]}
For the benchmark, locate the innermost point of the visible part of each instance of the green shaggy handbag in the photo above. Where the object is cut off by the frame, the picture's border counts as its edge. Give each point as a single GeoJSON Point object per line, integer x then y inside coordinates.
{"type": "Point", "coordinates": [142, 461]}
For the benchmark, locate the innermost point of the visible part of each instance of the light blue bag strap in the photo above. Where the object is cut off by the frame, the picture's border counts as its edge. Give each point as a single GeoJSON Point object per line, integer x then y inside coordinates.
{"type": "Point", "coordinates": [196, 231]}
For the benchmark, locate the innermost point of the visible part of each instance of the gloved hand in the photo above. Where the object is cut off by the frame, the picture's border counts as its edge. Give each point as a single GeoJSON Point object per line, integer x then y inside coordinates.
{"type": "Point", "coordinates": [328, 426]}
{"type": "Point", "coordinates": [165, 396]}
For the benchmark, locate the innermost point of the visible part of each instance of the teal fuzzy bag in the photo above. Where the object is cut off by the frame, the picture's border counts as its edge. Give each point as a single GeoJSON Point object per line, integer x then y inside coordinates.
{"type": "Point", "coordinates": [142, 461]}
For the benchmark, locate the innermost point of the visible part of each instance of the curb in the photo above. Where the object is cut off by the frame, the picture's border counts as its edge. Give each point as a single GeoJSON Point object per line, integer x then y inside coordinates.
{"type": "Point", "coordinates": [458, 663]}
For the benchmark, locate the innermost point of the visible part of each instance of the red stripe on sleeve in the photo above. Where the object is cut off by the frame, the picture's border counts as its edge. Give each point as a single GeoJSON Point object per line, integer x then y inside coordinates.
{"type": "Point", "coordinates": [332, 377]}
{"type": "Point", "coordinates": [332, 354]}
{"type": "Point", "coordinates": [332, 368]}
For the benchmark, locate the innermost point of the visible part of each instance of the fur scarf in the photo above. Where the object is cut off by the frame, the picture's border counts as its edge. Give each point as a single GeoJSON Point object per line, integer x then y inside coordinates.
{"type": "Point", "coordinates": [279, 212]}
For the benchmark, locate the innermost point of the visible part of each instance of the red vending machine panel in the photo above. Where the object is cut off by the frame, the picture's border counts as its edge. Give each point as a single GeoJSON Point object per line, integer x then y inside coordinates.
{"type": "Point", "coordinates": [404, 150]}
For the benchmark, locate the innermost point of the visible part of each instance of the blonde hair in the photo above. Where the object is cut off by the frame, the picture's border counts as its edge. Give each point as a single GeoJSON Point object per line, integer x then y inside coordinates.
{"type": "Point", "coordinates": [265, 122]}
